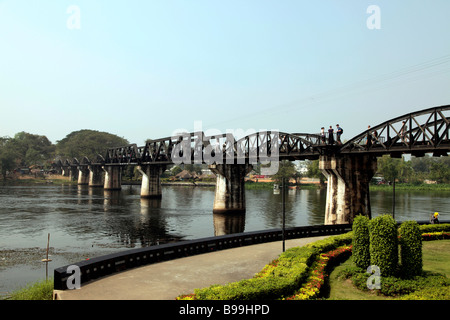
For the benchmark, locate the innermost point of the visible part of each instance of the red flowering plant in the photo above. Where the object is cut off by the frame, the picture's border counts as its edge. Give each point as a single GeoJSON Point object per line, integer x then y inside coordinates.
{"type": "Point", "coordinates": [435, 236]}
{"type": "Point", "coordinates": [319, 273]}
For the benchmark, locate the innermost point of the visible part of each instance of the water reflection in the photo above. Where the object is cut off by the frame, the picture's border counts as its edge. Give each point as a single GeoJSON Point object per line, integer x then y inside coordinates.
{"type": "Point", "coordinates": [79, 216]}
{"type": "Point", "coordinates": [228, 223]}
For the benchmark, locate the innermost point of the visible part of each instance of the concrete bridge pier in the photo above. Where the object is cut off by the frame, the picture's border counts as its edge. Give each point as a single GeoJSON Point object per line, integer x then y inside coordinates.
{"type": "Point", "coordinates": [83, 175]}
{"type": "Point", "coordinates": [113, 177]}
{"type": "Point", "coordinates": [73, 173]}
{"type": "Point", "coordinates": [66, 171]}
{"type": "Point", "coordinates": [348, 186]}
{"type": "Point", "coordinates": [230, 187]}
{"type": "Point", "coordinates": [95, 176]}
{"type": "Point", "coordinates": [151, 180]}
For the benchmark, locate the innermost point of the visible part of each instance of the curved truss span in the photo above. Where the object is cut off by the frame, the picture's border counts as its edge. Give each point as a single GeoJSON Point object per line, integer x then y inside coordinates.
{"type": "Point", "coordinates": [416, 133]}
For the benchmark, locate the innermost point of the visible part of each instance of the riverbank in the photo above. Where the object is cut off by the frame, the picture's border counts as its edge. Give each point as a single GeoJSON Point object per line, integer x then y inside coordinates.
{"type": "Point", "coordinates": [250, 184]}
{"type": "Point", "coordinates": [411, 187]}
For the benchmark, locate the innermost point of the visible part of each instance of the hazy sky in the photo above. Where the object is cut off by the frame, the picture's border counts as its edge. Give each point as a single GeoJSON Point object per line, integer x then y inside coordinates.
{"type": "Point", "coordinates": [144, 69]}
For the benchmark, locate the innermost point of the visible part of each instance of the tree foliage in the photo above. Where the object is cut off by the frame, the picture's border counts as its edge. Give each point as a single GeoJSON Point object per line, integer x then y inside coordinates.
{"type": "Point", "coordinates": [415, 170]}
{"type": "Point", "coordinates": [7, 156]}
{"type": "Point", "coordinates": [315, 172]}
{"type": "Point", "coordinates": [286, 170]}
{"type": "Point", "coordinates": [26, 149]}
{"type": "Point", "coordinates": [392, 168]}
{"type": "Point", "coordinates": [89, 143]}
{"type": "Point", "coordinates": [32, 149]}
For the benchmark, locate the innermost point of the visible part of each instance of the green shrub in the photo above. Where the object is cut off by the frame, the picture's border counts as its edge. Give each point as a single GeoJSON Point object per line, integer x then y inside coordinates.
{"type": "Point", "coordinates": [427, 228]}
{"type": "Point", "coordinates": [361, 250]}
{"type": "Point", "coordinates": [398, 287]}
{"type": "Point", "coordinates": [384, 244]}
{"type": "Point", "coordinates": [410, 249]}
{"type": "Point", "coordinates": [41, 290]}
{"type": "Point", "coordinates": [435, 293]}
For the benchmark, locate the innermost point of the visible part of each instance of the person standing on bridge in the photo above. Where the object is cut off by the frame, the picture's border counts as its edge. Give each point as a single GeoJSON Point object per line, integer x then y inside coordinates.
{"type": "Point", "coordinates": [369, 137]}
{"type": "Point", "coordinates": [403, 131]}
{"type": "Point", "coordinates": [322, 135]}
{"type": "Point", "coordinates": [339, 132]}
{"type": "Point", "coordinates": [330, 136]}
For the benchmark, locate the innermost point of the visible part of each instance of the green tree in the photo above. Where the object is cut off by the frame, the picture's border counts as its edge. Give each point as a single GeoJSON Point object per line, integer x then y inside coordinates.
{"type": "Point", "coordinates": [286, 170]}
{"type": "Point", "coordinates": [89, 143]}
{"type": "Point", "coordinates": [440, 170]}
{"type": "Point", "coordinates": [8, 156]}
{"type": "Point", "coordinates": [421, 165]}
{"type": "Point", "coordinates": [32, 149]}
{"type": "Point", "coordinates": [392, 168]}
{"type": "Point", "coordinates": [315, 172]}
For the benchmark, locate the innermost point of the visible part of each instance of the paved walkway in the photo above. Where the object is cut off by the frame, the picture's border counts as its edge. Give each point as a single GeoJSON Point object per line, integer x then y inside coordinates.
{"type": "Point", "coordinates": [169, 279]}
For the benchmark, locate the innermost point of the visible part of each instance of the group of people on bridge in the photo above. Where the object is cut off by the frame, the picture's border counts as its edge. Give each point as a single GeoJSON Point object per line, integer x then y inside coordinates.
{"type": "Point", "coordinates": [331, 141]}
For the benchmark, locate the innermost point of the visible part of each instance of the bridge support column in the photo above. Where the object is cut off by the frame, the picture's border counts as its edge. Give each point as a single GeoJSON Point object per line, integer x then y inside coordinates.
{"type": "Point", "coordinates": [73, 173]}
{"type": "Point", "coordinates": [113, 177]}
{"type": "Point", "coordinates": [95, 176]}
{"type": "Point", "coordinates": [151, 181]}
{"type": "Point", "coordinates": [348, 186]}
{"type": "Point", "coordinates": [230, 188]}
{"type": "Point", "coordinates": [66, 171]}
{"type": "Point", "coordinates": [83, 175]}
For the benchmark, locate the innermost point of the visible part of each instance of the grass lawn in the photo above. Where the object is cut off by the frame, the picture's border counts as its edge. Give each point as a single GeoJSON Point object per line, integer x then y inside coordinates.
{"type": "Point", "coordinates": [436, 258]}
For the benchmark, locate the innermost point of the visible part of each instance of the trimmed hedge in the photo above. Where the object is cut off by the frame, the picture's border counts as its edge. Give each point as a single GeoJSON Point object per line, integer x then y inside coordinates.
{"type": "Point", "coordinates": [410, 249]}
{"type": "Point", "coordinates": [384, 244]}
{"type": "Point", "coordinates": [279, 279]}
{"type": "Point", "coordinates": [427, 228]}
{"type": "Point", "coordinates": [361, 241]}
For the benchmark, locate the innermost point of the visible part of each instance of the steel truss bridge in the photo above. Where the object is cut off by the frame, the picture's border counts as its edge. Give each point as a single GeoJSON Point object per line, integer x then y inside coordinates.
{"type": "Point", "coordinates": [416, 133]}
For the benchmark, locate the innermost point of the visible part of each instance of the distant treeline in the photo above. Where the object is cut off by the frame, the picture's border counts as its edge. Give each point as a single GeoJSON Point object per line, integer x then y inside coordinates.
{"type": "Point", "coordinates": [27, 150]}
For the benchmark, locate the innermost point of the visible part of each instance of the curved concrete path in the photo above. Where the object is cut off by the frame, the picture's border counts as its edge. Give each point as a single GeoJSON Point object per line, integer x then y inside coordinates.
{"type": "Point", "coordinates": [169, 279]}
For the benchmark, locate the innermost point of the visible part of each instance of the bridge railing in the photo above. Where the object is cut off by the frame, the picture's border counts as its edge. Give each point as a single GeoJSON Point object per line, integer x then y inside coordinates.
{"type": "Point", "coordinates": [102, 266]}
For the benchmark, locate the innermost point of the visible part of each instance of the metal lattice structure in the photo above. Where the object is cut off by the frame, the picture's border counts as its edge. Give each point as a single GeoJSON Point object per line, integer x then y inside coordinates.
{"type": "Point", "coordinates": [416, 133]}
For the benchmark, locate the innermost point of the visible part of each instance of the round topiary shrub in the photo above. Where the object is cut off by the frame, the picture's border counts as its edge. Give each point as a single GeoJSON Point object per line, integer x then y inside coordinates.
{"type": "Point", "coordinates": [410, 249]}
{"type": "Point", "coordinates": [360, 242]}
{"type": "Point", "coordinates": [384, 244]}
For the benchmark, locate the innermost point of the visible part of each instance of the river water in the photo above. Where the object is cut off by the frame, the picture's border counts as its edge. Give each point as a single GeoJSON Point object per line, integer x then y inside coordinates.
{"type": "Point", "coordinates": [86, 222]}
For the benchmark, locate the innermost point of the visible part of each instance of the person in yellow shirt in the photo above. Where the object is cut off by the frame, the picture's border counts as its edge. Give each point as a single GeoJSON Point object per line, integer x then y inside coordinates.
{"type": "Point", "coordinates": [434, 218]}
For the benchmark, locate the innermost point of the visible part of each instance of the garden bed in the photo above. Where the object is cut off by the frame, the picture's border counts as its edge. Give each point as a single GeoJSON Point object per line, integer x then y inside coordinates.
{"type": "Point", "coordinates": [300, 273]}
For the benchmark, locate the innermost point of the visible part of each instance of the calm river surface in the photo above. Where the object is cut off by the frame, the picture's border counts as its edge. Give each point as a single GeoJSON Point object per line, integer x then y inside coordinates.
{"type": "Point", "coordinates": [86, 222]}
